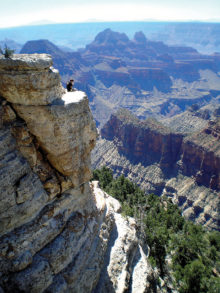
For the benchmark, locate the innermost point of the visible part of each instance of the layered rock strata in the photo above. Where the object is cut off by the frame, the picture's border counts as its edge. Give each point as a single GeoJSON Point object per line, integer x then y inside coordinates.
{"type": "Point", "coordinates": [143, 141]}
{"type": "Point", "coordinates": [28, 80]}
{"type": "Point", "coordinates": [58, 233]}
{"type": "Point", "coordinates": [148, 78]}
{"type": "Point", "coordinates": [186, 168]}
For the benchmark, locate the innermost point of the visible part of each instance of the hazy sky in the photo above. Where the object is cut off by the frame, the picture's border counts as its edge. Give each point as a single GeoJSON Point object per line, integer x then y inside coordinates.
{"type": "Point", "coordinates": [19, 12]}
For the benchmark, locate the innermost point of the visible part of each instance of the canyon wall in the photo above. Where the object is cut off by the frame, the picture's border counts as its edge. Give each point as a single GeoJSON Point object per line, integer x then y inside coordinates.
{"type": "Point", "coordinates": [147, 142]}
{"type": "Point", "coordinates": [149, 78]}
{"type": "Point", "coordinates": [186, 168]}
{"type": "Point", "coordinates": [58, 232]}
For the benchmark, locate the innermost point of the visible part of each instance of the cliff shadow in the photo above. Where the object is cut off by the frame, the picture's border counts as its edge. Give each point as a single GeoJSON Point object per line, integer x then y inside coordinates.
{"type": "Point", "coordinates": [105, 282]}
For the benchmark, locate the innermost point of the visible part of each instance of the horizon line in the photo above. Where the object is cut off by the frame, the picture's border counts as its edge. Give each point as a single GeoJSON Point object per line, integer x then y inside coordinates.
{"type": "Point", "coordinates": [114, 21]}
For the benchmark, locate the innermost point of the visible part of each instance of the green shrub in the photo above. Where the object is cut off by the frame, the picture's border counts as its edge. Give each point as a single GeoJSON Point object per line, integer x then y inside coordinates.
{"type": "Point", "coordinates": [7, 52]}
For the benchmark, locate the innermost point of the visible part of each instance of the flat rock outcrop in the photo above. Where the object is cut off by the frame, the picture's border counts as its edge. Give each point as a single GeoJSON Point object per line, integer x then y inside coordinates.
{"type": "Point", "coordinates": [29, 80]}
{"type": "Point", "coordinates": [58, 232]}
{"type": "Point", "coordinates": [185, 168]}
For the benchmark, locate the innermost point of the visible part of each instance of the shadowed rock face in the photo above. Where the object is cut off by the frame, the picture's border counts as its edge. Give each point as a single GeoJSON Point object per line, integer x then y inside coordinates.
{"type": "Point", "coordinates": [149, 142]}
{"type": "Point", "coordinates": [185, 168]}
{"type": "Point", "coordinates": [147, 79]}
{"type": "Point", "coordinates": [146, 141]}
{"type": "Point", "coordinates": [108, 78]}
{"type": "Point", "coordinates": [202, 150]}
{"type": "Point", "coordinates": [58, 232]}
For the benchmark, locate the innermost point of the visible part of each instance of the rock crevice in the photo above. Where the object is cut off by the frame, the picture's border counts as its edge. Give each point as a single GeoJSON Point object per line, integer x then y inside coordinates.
{"type": "Point", "coordinates": [55, 226]}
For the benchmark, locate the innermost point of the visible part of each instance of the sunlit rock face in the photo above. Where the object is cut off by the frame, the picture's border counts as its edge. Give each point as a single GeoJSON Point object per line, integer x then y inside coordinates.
{"type": "Point", "coordinates": [58, 232]}
{"type": "Point", "coordinates": [66, 133]}
{"type": "Point", "coordinates": [28, 80]}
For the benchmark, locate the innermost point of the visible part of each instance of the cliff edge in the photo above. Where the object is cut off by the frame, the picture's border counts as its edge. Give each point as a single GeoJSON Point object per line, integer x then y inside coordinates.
{"type": "Point", "coordinates": [58, 232]}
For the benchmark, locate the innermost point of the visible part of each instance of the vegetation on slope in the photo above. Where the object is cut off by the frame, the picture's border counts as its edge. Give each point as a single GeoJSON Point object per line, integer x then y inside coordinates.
{"type": "Point", "coordinates": [176, 245]}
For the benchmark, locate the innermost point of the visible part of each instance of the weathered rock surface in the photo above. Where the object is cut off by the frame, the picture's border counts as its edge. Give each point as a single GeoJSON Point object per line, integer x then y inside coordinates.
{"type": "Point", "coordinates": [146, 141]}
{"type": "Point", "coordinates": [58, 233]}
{"type": "Point", "coordinates": [124, 258]}
{"type": "Point", "coordinates": [28, 80]}
{"type": "Point", "coordinates": [186, 168]}
{"type": "Point", "coordinates": [22, 193]}
{"type": "Point", "coordinates": [202, 150]}
{"type": "Point", "coordinates": [65, 132]}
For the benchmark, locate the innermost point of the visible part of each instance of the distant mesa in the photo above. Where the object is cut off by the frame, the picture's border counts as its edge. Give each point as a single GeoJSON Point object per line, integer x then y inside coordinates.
{"type": "Point", "coordinates": [109, 36]}
{"type": "Point", "coordinates": [40, 46]}
{"type": "Point", "coordinates": [139, 73]}
{"type": "Point", "coordinates": [140, 37]}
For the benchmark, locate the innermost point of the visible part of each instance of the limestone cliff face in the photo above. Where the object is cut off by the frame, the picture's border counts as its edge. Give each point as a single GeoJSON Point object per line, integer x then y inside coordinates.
{"type": "Point", "coordinates": [185, 168]}
{"type": "Point", "coordinates": [143, 141]}
{"type": "Point", "coordinates": [202, 150]}
{"type": "Point", "coordinates": [58, 232]}
{"type": "Point", "coordinates": [149, 141]}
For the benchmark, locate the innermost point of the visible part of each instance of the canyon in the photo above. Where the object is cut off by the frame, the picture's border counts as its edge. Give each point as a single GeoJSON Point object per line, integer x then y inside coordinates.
{"type": "Point", "coordinates": [184, 167]}
{"type": "Point", "coordinates": [176, 85]}
{"type": "Point", "coordinates": [58, 231]}
{"type": "Point", "coordinates": [149, 78]}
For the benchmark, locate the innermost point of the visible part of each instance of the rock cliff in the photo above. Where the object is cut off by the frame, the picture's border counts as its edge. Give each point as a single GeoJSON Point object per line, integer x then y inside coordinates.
{"type": "Point", "coordinates": [185, 168]}
{"type": "Point", "coordinates": [58, 232]}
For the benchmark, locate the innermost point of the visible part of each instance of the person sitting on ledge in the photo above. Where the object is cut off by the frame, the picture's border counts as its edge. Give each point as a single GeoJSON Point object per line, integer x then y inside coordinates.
{"type": "Point", "coordinates": [69, 86]}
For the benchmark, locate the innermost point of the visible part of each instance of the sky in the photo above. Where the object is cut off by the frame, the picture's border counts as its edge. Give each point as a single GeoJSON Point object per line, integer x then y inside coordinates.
{"type": "Point", "coordinates": [23, 12]}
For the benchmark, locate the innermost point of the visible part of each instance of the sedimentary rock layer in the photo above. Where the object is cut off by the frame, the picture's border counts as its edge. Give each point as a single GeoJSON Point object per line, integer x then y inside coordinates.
{"type": "Point", "coordinates": [58, 232]}
{"type": "Point", "coordinates": [143, 141]}
{"type": "Point", "coordinates": [149, 142]}
{"type": "Point", "coordinates": [28, 80]}
{"type": "Point", "coordinates": [186, 168]}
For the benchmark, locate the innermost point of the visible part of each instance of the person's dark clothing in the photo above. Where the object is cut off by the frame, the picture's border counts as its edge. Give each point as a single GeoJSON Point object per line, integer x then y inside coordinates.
{"type": "Point", "coordinates": [69, 87]}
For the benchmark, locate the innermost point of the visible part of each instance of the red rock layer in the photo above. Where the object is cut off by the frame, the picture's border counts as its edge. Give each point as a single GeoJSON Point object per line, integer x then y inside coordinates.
{"type": "Point", "coordinates": [149, 142]}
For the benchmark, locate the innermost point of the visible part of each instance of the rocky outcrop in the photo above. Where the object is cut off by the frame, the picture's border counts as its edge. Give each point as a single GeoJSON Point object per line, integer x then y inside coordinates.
{"type": "Point", "coordinates": [146, 141]}
{"type": "Point", "coordinates": [202, 150]}
{"type": "Point", "coordinates": [54, 121]}
{"type": "Point", "coordinates": [58, 232]}
{"type": "Point", "coordinates": [185, 168]}
{"type": "Point", "coordinates": [19, 84]}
